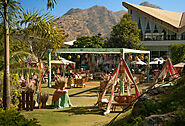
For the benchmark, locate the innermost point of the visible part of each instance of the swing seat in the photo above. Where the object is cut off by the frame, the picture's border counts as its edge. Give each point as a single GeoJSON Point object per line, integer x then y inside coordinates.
{"type": "Point", "coordinates": [122, 101]}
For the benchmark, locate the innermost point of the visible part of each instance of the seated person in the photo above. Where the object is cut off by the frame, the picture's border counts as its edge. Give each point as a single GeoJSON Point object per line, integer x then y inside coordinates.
{"type": "Point", "coordinates": [60, 96]}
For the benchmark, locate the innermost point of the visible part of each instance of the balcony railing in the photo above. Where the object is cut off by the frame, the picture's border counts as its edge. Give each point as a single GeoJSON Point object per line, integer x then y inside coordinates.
{"type": "Point", "coordinates": [161, 37]}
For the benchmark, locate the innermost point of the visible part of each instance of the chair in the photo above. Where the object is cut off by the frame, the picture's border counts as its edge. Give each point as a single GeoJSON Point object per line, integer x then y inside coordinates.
{"type": "Point", "coordinates": [80, 82]}
{"type": "Point", "coordinates": [70, 83]}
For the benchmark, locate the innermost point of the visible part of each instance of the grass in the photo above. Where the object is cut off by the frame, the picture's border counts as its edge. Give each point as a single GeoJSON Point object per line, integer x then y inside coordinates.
{"type": "Point", "coordinates": [83, 112]}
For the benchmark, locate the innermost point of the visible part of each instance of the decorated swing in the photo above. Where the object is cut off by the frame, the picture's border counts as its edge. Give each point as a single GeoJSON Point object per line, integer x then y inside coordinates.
{"type": "Point", "coordinates": [167, 73]}
{"type": "Point", "coordinates": [123, 76]}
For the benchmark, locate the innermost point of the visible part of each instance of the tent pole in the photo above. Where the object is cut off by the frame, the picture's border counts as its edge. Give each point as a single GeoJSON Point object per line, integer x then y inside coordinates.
{"type": "Point", "coordinates": [148, 68]}
{"type": "Point", "coordinates": [122, 85]}
{"type": "Point", "coordinates": [49, 67]}
{"type": "Point", "coordinates": [122, 78]}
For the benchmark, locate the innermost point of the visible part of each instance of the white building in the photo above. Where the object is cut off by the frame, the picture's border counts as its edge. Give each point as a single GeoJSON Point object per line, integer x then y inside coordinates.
{"type": "Point", "coordinates": [159, 28]}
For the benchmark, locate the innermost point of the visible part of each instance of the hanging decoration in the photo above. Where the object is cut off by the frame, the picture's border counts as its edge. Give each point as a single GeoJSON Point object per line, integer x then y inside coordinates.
{"type": "Point", "coordinates": [141, 57]}
{"type": "Point", "coordinates": [86, 56]}
{"type": "Point", "coordinates": [146, 57]}
{"type": "Point", "coordinates": [69, 57]}
{"type": "Point", "coordinates": [59, 57]}
{"type": "Point", "coordinates": [136, 58]}
{"type": "Point", "coordinates": [130, 58]}
{"type": "Point", "coordinates": [78, 56]}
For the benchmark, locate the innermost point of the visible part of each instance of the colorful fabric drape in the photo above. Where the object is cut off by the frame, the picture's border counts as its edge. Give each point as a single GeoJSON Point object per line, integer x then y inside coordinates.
{"type": "Point", "coordinates": [112, 92]}
{"type": "Point", "coordinates": [167, 68]}
{"type": "Point", "coordinates": [113, 80]}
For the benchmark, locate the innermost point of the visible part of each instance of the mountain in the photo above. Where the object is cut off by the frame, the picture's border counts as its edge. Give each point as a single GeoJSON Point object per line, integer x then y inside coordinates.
{"type": "Point", "coordinates": [146, 3]}
{"type": "Point", "coordinates": [97, 19]}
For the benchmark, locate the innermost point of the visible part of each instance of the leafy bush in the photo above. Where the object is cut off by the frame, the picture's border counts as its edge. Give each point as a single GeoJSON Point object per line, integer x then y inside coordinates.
{"type": "Point", "coordinates": [178, 53]}
{"type": "Point", "coordinates": [173, 103]}
{"type": "Point", "coordinates": [15, 88]}
{"type": "Point", "coordinates": [14, 118]}
{"type": "Point", "coordinates": [179, 120]}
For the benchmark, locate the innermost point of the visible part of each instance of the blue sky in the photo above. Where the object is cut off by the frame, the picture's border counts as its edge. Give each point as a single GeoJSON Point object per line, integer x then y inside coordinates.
{"type": "Point", "coordinates": [114, 5]}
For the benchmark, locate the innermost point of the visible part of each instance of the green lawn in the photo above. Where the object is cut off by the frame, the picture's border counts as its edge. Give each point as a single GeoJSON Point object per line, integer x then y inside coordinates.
{"type": "Point", "coordinates": [83, 112]}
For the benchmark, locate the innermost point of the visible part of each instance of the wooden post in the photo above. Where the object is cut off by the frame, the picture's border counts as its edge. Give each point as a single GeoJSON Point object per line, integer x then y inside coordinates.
{"type": "Point", "coordinates": [31, 101]}
{"type": "Point", "coordinates": [23, 100]}
{"type": "Point", "coordinates": [27, 100]}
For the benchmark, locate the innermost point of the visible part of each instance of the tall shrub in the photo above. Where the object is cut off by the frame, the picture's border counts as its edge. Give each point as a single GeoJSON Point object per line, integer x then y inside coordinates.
{"type": "Point", "coordinates": [178, 53]}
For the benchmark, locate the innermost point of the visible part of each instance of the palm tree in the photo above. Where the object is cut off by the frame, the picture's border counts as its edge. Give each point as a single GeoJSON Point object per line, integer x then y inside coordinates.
{"type": "Point", "coordinates": [6, 84]}
{"type": "Point", "coordinates": [6, 4]}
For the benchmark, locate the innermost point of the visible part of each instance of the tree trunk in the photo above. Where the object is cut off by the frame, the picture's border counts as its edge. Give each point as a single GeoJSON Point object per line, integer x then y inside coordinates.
{"type": "Point", "coordinates": [6, 84]}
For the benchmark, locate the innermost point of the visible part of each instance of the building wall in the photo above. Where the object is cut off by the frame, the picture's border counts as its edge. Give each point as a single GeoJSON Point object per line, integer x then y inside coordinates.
{"type": "Point", "coordinates": [156, 37]}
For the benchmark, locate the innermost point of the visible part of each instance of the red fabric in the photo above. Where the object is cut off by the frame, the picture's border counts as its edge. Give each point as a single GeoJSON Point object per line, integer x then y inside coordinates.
{"type": "Point", "coordinates": [73, 66]}
{"type": "Point", "coordinates": [112, 94]}
{"type": "Point", "coordinates": [61, 67]}
{"type": "Point", "coordinates": [107, 82]}
{"type": "Point", "coordinates": [136, 90]}
{"type": "Point", "coordinates": [58, 71]}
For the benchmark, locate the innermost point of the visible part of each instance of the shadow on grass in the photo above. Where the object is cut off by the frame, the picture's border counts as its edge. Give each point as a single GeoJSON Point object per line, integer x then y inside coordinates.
{"type": "Point", "coordinates": [89, 90]}
{"type": "Point", "coordinates": [83, 110]}
{"type": "Point", "coordinates": [86, 96]}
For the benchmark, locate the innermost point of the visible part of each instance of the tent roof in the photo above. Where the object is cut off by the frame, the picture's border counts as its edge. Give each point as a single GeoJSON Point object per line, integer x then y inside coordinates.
{"type": "Point", "coordinates": [62, 61]}
{"type": "Point", "coordinates": [100, 50]}
{"type": "Point", "coordinates": [168, 18]}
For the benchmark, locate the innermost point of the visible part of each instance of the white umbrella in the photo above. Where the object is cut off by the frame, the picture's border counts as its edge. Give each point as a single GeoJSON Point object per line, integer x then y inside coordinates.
{"type": "Point", "coordinates": [62, 61]}
{"type": "Point", "coordinates": [138, 62]}
{"type": "Point", "coordinates": [157, 61]}
{"type": "Point", "coordinates": [180, 64]}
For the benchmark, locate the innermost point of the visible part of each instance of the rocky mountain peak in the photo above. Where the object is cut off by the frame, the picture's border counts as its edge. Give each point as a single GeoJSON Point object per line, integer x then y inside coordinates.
{"type": "Point", "coordinates": [96, 19]}
{"type": "Point", "coordinates": [147, 4]}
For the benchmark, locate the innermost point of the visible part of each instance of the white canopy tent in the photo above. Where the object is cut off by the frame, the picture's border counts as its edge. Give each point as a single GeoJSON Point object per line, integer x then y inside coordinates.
{"type": "Point", "coordinates": [121, 51]}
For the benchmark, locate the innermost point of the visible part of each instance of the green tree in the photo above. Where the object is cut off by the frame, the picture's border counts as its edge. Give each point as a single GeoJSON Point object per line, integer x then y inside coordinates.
{"type": "Point", "coordinates": [177, 53]}
{"type": "Point", "coordinates": [5, 5]}
{"type": "Point", "coordinates": [39, 34]}
{"type": "Point", "coordinates": [125, 34]}
{"type": "Point", "coordinates": [95, 41]}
